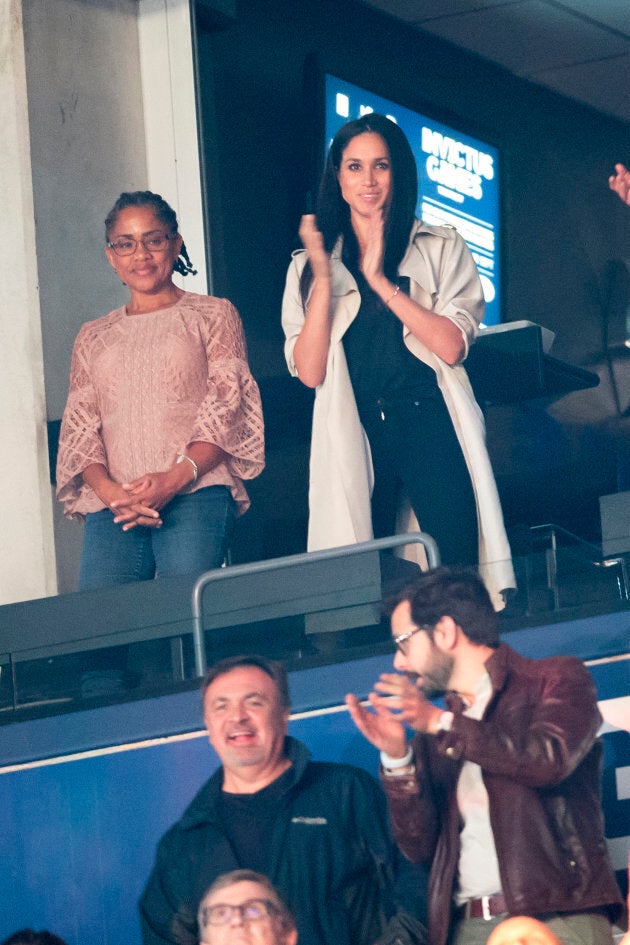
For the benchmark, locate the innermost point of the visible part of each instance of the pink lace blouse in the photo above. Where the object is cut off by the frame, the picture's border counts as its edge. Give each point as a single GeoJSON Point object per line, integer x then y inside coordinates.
{"type": "Point", "coordinates": [144, 386]}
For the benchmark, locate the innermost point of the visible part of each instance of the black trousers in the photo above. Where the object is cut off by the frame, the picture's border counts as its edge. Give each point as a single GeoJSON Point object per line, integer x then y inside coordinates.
{"type": "Point", "coordinates": [415, 450]}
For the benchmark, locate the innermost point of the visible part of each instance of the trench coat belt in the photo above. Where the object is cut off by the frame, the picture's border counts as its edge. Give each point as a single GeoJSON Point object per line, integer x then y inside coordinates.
{"type": "Point", "coordinates": [485, 908]}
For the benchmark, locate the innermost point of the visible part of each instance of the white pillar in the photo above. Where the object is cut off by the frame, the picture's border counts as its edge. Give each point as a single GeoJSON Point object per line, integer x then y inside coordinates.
{"type": "Point", "coordinates": [170, 121]}
{"type": "Point", "coordinates": [27, 556]}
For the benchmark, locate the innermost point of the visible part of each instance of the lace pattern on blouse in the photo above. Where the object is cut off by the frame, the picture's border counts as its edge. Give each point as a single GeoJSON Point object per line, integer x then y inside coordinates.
{"type": "Point", "coordinates": [144, 386]}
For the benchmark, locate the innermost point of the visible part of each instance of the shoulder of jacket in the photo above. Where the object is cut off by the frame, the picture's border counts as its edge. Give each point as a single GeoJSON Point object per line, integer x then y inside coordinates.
{"type": "Point", "coordinates": [298, 261]}
{"type": "Point", "coordinates": [202, 809]}
{"type": "Point", "coordinates": [444, 231]}
{"type": "Point", "coordinates": [298, 257]}
{"type": "Point", "coordinates": [561, 666]}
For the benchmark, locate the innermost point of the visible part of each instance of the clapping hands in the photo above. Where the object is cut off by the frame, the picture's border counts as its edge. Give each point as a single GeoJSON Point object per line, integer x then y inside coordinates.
{"type": "Point", "coordinates": [396, 702]}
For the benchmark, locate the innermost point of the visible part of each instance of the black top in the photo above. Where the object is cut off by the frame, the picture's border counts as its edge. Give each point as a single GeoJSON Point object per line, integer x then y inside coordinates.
{"type": "Point", "coordinates": [248, 821]}
{"type": "Point", "coordinates": [380, 364]}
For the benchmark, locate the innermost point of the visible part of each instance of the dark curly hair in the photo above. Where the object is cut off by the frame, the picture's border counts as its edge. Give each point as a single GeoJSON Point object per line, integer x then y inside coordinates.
{"type": "Point", "coordinates": [165, 214]}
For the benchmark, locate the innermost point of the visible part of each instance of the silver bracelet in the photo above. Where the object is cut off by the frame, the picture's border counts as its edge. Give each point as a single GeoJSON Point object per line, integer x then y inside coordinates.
{"type": "Point", "coordinates": [396, 291]}
{"type": "Point", "coordinates": [181, 458]}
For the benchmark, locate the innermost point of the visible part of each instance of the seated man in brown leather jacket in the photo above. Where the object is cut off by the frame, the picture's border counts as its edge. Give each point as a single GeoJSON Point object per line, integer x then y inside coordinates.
{"type": "Point", "coordinates": [501, 792]}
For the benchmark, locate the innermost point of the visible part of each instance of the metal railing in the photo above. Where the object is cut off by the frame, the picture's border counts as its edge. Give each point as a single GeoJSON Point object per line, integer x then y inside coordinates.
{"type": "Point", "coordinates": [277, 564]}
{"type": "Point", "coordinates": [559, 538]}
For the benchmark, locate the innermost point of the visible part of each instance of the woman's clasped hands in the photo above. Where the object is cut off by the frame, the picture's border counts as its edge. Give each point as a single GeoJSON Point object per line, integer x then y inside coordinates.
{"type": "Point", "coordinates": [143, 498]}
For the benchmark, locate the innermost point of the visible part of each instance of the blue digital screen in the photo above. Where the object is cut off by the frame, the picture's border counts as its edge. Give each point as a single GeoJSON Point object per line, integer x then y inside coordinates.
{"type": "Point", "coordinates": [458, 177]}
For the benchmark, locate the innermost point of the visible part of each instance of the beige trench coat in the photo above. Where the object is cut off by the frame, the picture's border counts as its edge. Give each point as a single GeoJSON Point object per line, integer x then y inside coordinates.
{"type": "Point", "coordinates": [443, 278]}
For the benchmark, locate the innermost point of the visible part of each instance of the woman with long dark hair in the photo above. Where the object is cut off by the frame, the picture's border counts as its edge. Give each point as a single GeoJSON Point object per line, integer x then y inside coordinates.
{"type": "Point", "coordinates": [379, 311]}
{"type": "Point", "coordinates": [163, 419]}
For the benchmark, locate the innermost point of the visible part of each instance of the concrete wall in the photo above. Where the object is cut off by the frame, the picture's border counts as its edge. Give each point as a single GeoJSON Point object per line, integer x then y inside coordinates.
{"type": "Point", "coordinates": [87, 144]}
{"type": "Point", "coordinates": [86, 126]}
{"type": "Point", "coordinates": [26, 550]}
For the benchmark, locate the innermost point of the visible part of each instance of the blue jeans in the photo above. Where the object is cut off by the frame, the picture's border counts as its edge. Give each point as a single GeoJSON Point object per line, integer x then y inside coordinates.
{"type": "Point", "coordinates": [193, 538]}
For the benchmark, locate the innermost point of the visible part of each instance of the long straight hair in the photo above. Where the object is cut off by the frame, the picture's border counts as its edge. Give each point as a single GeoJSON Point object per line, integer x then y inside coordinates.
{"type": "Point", "coordinates": [333, 213]}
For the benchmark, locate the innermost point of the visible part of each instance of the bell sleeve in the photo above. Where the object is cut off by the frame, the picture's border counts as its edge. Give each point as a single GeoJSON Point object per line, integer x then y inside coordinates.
{"type": "Point", "coordinates": [80, 441]}
{"type": "Point", "coordinates": [230, 415]}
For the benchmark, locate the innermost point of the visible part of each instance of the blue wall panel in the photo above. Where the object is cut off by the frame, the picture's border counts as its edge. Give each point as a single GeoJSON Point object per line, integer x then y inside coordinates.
{"type": "Point", "coordinates": [77, 835]}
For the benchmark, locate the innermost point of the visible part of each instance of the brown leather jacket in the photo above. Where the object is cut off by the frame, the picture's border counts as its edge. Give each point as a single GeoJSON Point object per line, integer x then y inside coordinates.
{"type": "Point", "coordinates": [541, 763]}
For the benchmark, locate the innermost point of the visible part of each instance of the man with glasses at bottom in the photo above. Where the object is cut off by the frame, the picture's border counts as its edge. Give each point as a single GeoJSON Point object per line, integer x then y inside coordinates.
{"type": "Point", "coordinates": [243, 905]}
{"type": "Point", "coordinates": [500, 792]}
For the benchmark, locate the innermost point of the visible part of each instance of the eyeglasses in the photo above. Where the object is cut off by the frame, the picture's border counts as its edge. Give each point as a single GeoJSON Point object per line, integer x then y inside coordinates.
{"type": "Point", "coordinates": [401, 641]}
{"type": "Point", "coordinates": [252, 910]}
{"type": "Point", "coordinates": [126, 246]}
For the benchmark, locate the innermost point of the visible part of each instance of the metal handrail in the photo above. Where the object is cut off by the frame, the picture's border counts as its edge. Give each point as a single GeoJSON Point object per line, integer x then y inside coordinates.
{"type": "Point", "coordinates": [588, 546]}
{"type": "Point", "coordinates": [275, 564]}
{"type": "Point", "coordinates": [593, 553]}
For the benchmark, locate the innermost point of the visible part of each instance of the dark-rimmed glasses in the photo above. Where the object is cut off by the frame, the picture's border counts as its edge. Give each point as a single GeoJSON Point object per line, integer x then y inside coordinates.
{"type": "Point", "coordinates": [401, 641]}
{"type": "Point", "coordinates": [252, 910]}
{"type": "Point", "coordinates": [127, 245]}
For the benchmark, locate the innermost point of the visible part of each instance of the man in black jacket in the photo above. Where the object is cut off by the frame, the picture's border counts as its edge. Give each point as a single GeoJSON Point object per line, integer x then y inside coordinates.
{"type": "Point", "coordinates": [317, 830]}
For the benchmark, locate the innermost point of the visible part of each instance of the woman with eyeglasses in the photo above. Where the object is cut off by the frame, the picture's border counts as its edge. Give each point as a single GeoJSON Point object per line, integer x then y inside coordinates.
{"type": "Point", "coordinates": [379, 310]}
{"type": "Point", "coordinates": [163, 419]}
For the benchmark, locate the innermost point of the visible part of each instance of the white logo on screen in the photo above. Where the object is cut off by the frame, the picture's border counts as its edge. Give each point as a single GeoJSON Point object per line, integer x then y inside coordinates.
{"type": "Point", "coordinates": [456, 165]}
{"type": "Point", "coordinates": [488, 288]}
{"type": "Point", "coordinates": [342, 104]}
